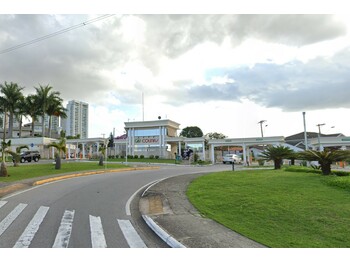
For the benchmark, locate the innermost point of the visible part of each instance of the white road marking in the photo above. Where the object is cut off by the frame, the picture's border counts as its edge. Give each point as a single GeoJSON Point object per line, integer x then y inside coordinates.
{"type": "Point", "coordinates": [130, 234]}
{"type": "Point", "coordinates": [97, 236]}
{"type": "Point", "coordinates": [33, 226]}
{"type": "Point", "coordinates": [65, 230]}
{"type": "Point", "coordinates": [7, 221]}
{"type": "Point", "coordinates": [2, 203]}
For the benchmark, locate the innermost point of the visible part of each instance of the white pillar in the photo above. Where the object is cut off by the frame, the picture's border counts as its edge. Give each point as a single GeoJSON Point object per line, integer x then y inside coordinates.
{"type": "Point", "coordinates": [68, 151]}
{"type": "Point", "coordinates": [83, 144]}
{"type": "Point", "coordinates": [203, 152]}
{"type": "Point", "coordinates": [212, 153]}
{"type": "Point", "coordinates": [244, 155]}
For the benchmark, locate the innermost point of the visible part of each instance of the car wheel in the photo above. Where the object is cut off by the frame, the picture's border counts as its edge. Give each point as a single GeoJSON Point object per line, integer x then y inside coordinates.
{"type": "Point", "coordinates": [36, 159]}
{"type": "Point", "coordinates": [22, 160]}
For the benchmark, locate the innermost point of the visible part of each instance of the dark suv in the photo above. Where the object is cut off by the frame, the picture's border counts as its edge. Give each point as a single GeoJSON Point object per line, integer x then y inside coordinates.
{"type": "Point", "coordinates": [29, 156]}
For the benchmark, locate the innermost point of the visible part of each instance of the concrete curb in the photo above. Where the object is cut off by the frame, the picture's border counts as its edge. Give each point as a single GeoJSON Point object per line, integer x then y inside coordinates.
{"type": "Point", "coordinates": [172, 242]}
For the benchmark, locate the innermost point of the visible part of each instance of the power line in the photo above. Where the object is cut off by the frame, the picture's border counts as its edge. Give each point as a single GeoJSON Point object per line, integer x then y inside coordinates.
{"type": "Point", "coordinates": [62, 31]}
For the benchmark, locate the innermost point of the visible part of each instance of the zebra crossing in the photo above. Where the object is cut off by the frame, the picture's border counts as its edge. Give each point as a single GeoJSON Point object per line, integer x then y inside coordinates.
{"type": "Point", "coordinates": [65, 228]}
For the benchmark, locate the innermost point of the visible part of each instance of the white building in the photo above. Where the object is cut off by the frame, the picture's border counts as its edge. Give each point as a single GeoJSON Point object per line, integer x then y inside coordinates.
{"type": "Point", "coordinates": [77, 121]}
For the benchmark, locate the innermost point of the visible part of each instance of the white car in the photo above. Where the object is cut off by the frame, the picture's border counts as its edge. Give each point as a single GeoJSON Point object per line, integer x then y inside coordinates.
{"type": "Point", "coordinates": [229, 158]}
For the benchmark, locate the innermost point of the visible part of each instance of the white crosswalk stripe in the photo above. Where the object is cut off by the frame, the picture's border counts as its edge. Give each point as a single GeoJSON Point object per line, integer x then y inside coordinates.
{"type": "Point", "coordinates": [65, 230]}
{"type": "Point", "coordinates": [2, 203]}
{"type": "Point", "coordinates": [7, 221]}
{"type": "Point", "coordinates": [61, 240]}
{"type": "Point", "coordinates": [29, 233]}
{"type": "Point", "coordinates": [97, 236]}
{"type": "Point", "coordinates": [130, 234]}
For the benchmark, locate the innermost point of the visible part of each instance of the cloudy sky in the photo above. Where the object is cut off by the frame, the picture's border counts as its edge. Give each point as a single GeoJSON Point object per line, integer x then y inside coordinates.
{"type": "Point", "coordinates": [222, 73]}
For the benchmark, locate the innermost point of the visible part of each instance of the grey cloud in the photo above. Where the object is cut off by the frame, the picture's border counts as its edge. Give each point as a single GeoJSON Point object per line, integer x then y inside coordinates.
{"type": "Point", "coordinates": [318, 84]}
{"type": "Point", "coordinates": [73, 62]}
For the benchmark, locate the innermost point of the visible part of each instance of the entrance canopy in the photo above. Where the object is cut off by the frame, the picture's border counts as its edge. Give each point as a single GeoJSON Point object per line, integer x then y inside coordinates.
{"type": "Point", "coordinates": [244, 143]}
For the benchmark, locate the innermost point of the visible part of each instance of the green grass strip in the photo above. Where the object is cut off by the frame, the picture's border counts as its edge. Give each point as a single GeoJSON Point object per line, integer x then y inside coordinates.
{"type": "Point", "coordinates": [37, 170]}
{"type": "Point", "coordinates": [277, 208]}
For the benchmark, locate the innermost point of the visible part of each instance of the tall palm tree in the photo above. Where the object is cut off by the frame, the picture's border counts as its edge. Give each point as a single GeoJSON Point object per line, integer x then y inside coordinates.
{"type": "Point", "coordinates": [55, 108]}
{"type": "Point", "coordinates": [45, 95]}
{"type": "Point", "coordinates": [12, 94]}
{"type": "Point", "coordinates": [277, 154]}
{"type": "Point", "coordinates": [325, 158]}
{"type": "Point", "coordinates": [32, 108]}
{"type": "Point", "coordinates": [20, 113]}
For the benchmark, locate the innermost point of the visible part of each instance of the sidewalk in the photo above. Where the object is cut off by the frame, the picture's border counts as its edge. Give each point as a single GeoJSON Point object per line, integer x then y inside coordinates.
{"type": "Point", "coordinates": [166, 209]}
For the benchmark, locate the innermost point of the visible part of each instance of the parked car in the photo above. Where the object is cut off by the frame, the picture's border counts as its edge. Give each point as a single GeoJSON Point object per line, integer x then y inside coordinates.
{"type": "Point", "coordinates": [29, 156]}
{"type": "Point", "coordinates": [229, 158]}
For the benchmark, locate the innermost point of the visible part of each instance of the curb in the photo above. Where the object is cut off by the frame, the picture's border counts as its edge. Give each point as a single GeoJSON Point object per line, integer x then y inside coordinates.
{"type": "Point", "coordinates": [172, 242]}
{"type": "Point", "coordinates": [68, 176]}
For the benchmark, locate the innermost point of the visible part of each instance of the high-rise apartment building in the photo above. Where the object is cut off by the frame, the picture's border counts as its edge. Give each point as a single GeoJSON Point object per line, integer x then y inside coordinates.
{"type": "Point", "coordinates": [77, 121]}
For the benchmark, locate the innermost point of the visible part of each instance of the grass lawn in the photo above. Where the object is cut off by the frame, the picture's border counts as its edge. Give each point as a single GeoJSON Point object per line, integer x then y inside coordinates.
{"type": "Point", "coordinates": [37, 169]}
{"type": "Point", "coordinates": [278, 208]}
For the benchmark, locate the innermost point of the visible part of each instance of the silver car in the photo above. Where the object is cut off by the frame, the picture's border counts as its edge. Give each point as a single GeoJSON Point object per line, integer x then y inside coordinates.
{"type": "Point", "coordinates": [229, 158]}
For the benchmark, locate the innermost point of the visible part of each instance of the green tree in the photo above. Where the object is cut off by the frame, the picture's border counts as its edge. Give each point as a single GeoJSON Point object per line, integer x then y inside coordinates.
{"type": "Point", "coordinates": [4, 148]}
{"type": "Point", "coordinates": [325, 158]}
{"type": "Point", "coordinates": [20, 113]}
{"type": "Point", "coordinates": [16, 155]}
{"type": "Point", "coordinates": [61, 148]}
{"type": "Point", "coordinates": [191, 132]}
{"type": "Point", "coordinates": [277, 154]}
{"type": "Point", "coordinates": [211, 136]}
{"type": "Point", "coordinates": [102, 151]}
{"type": "Point", "coordinates": [45, 97]}
{"type": "Point", "coordinates": [55, 108]}
{"type": "Point", "coordinates": [32, 109]}
{"type": "Point", "coordinates": [12, 93]}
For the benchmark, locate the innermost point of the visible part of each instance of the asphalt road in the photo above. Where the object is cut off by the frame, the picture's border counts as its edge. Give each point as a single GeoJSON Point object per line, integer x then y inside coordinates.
{"type": "Point", "coordinates": [84, 212]}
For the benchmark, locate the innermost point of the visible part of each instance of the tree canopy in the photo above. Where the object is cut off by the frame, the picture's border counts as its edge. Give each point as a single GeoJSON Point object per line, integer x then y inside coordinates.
{"type": "Point", "coordinates": [191, 132]}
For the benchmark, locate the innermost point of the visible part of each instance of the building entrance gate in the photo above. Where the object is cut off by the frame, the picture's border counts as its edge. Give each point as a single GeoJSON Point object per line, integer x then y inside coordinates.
{"type": "Point", "coordinates": [245, 143]}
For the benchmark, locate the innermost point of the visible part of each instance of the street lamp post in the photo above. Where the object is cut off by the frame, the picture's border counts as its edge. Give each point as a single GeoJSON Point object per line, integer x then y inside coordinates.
{"type": "Point", "coordinates": [261, 128]}
{"type": "Point", "coordinates": [319, 135]}
{"type": "Point", "coordinates": [262, 132]}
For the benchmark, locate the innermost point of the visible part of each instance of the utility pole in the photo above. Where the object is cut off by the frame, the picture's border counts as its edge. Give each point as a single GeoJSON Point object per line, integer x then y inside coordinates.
{"type": "Point", "coordinates": [261, 128]}
{"type": "Point", "coordinates": [319, 135]}
{"type": "Point", "coordinates": [305, 133]}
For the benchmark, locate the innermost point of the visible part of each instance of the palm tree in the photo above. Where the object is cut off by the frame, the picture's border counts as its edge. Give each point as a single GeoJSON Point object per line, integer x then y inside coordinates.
{"type": "Point", "coordinates": [32, 108]}
{"type": "Point", "coordinates": [61, 147]}
{"type": "Point", "coordinates": [277, 154]}
{"type": "Point", "coordinates": [45, 97]}
{"type": "Point", "coordinates": [102, 151]}
{"type": "Point", "coordinates": [4, 149]}
{"type": "Point", "coordinates": [20, 112]}
{"type": "Point", "coordinates": [12, 94]}
{"type": "Point", "coordinates": [55, 108]}
{"type": "Point", "coordinates": [16, 155]}
{"type": "Point", "coordinates": [325, 158]}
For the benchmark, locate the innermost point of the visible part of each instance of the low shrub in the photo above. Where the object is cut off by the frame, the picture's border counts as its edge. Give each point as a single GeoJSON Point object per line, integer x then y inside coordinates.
{"type": "Point", "coordinates": [341, 173]}
{"type": "Point", "coordinates": [136, 156]}
{"type": "Point", "coordinates": [151, 156]}
{"type": "Point", "coordinates": [157, 157]}
{"type": "Point", "coordinates": [142, 156]}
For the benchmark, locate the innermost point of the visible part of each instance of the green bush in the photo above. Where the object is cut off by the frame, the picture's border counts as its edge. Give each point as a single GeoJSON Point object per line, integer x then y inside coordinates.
{"type": "Point", "coordinates": [341, 173]}
{"type": "Point", "coordinates": [136, 156]}
{"type": "Point", "coordinates": [130, 156]}
{"type": "Point", "coordinates": [142, 156]}
{"type": "Point", "coordinates": [301, 169]}
{"type": "Point", "coordinates": [151, 156]}
{"type": "Point", "coordinates": [157, 156]}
